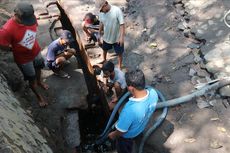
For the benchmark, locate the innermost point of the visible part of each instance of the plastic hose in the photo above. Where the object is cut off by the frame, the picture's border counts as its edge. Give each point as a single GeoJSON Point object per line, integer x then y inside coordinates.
{"type": "Point", "coordinates": [225, 16]}
{"type": "Point", "coordinates": [158, 122]}
{"type": "Point", "coordinates": [105, 133]}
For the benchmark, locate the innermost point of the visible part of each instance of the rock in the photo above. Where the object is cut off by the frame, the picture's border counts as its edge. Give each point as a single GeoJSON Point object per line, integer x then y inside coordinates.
{"type": "Point", "coordinates": [193, 46]}
{"type": "Point", "coordinates": [177, 1]}
{"type": "Point", "coordinates": [179, 6]}
{"type": "Point", "coordinates": [225, 103]}
{"type": "Point", "coordinates": [197, 59]}
{"type": "Point", "coordinates": [144, 30]}
{"type": "Point", "coordinates": [214, 144]}
{"type": "Point", "coordinates": [225, 91]}
{"type": "Point", "coordinates": [212, 102]}
{"type": "Point", "coordinates": [194, 80]}
{"type": "Point", "coordinates": [181, 26]}
{"type": "Point", "coordinates": [201, 103]}
{"type": "Point", "coordinates": [202, 73]}
{"type": "Point", "coordinates": [186, 32]}
{"type": "Point", "coordinates": [72, 131]}
{"type": "Point", "coordinates": [192, 72]}
{"type": "Point", "coordinates": [46, 132]}
{"type": "Point", "coordinates": [181, 12]}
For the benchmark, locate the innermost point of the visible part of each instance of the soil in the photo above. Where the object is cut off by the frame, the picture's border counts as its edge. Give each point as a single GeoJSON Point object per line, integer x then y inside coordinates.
{"type": "Point", "coordinates": [153, 44]}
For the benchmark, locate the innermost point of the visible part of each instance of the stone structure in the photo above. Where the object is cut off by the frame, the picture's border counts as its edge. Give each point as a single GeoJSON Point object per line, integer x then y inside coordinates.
{"type": "Point", "coordinates": [18, 133]}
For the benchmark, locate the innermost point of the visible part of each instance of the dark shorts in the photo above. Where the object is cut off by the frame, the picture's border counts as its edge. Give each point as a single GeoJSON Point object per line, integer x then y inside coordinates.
{"type": "Point", "coordinates": [117, 48]}
{"type": "Point", "coordinates": [124, 145]}
{"type": "Point", "coordinates": [29, 69]}
{"type": "Point", "coordinates": [51, 65]}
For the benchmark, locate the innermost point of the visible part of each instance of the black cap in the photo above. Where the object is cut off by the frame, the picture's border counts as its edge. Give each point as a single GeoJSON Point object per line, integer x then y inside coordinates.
{"type": "Point", "coordinates": [25, 12]}
{"type": "Point", "coordinates": [67, 36]}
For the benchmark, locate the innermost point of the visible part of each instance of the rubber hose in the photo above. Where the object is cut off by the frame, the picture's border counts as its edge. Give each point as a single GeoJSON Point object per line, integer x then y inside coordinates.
{"type": "Point", "coordinates": [104, 135]}
{"type": "Point", "coordinates": [225, 16]}
{"type": "Point", "coordinates": [158, 122]}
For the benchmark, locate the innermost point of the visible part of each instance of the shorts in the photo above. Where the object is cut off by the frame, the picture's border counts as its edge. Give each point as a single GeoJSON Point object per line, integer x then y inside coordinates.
{"type": "Point", "coordinates": [124, 145]}
{"type": "Point", "coordinates": [95, 36]}
{"type": "Point", "coordinates": [52, 65]}
{"type": "Point", "coordinates": [29, 69]}
{"type": "Point", "coordinates": [117, 48]}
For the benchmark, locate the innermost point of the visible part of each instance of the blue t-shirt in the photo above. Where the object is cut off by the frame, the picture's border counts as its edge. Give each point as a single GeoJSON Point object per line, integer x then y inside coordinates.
{"type": "Point", "coordinates": [136, 113]}
{"type": "Point", "coordinates": [54, 49]}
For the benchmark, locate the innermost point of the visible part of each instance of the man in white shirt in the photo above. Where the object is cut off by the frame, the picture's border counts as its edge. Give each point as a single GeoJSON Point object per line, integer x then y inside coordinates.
{"type": "Point", "coordinates": [112, 24]}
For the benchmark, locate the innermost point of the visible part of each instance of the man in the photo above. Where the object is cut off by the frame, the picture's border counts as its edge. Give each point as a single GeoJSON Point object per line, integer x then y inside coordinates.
{"type": "Point", "coordinates": [90, 26]}
{"type": "Point", "coordinates": [136, 112]}
{"type": "Point", "coordinates": [18, 35]}
{"type": "Point", "coordinates": [112, 24]}
{"type": "Point", "coordinates": [116, 80]}
{"type": "Point", "coordinates": [58, 53]}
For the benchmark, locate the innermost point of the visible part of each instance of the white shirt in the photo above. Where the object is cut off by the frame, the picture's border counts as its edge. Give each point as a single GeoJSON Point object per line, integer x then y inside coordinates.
{"type": "Point", "coordinates": [112, 21]}
{"type": "Point", "coordinates": [119, 77]}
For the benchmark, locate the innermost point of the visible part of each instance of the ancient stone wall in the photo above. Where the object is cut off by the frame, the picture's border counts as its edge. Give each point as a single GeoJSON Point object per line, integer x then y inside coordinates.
{"type": "Point", "coordinates": [18, 133]}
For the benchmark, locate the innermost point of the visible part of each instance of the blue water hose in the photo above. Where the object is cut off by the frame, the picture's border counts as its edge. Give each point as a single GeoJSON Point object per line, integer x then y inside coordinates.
{"type": "Point", "coordinates": [158, 122]}
{"type": "Point", "coordinates": [108, 128]}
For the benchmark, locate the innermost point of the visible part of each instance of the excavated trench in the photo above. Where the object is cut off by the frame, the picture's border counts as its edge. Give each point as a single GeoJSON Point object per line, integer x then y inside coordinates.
{"type": "Point", "coordinates": [93, 119]}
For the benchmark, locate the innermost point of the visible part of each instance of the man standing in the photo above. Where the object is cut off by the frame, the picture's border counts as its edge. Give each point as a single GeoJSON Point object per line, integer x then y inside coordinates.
{"type": "Point", "coordinates": [112, 24]}
{"type": "Point", "coordinates": [136, 112]}
{"type": "Point", "coordinates": [58, 53]}
{"type": "Point", "coordinates": [18, 35]}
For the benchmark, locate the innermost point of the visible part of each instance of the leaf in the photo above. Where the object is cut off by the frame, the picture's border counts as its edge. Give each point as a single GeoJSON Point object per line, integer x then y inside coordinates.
{"type": "Point", "coordinates": [189, 140]}
{"type": "Point", "coordinates": [215, 144]}
{"type": "Point", "coordinates": [214, 119]}
{"type": "Point", "coordinates": [153, 45]}
{"type": "Point", "coordinates": [222, 129]}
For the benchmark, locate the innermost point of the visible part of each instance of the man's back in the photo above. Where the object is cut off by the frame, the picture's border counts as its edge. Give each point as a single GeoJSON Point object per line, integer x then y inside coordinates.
{"type": "Point", "coordinates": [22, 39]}
{"type": "Point", "coordinates": [136, 113]}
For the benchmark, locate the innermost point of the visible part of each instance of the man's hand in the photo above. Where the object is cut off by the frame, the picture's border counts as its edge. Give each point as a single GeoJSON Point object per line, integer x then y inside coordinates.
{"type": "Point", "coordinates": [115, 134]}
{"type": "Point", "coordinates": [122, 35]}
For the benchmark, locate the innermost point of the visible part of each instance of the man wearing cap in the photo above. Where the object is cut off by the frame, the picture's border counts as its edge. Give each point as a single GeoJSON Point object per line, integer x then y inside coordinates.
{"type": "Point", "coordinates": [112, 24]}
{"type": "Point", "coordinates": [18, 35]}
{"type": "Point", "coordinates": [58, 53]}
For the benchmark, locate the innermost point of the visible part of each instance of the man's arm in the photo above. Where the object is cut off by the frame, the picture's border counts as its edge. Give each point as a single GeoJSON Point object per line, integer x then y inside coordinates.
{"type": "Point", "coordinates": [115, 134]}
{"type": "Point", "coordinates": [122, 34]}
{"type": "Point", "coordinates": [5, 40]}
{"type": "Point", "coordinates": [101, 26]}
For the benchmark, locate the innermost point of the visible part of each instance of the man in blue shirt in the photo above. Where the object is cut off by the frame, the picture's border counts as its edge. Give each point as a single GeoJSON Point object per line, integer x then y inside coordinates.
{"type": "Point", "coordinates": [58, 53]}
{"type": "Point", "coordinates": [136, 112]}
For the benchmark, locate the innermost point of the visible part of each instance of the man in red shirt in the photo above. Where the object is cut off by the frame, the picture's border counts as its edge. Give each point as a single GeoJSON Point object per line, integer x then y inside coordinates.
{"type": "Point", "coordinates": [18, 35]}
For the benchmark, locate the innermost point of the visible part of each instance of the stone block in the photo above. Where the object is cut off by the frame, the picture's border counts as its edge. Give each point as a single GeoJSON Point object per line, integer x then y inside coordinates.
{"type": "Point", "coordinates": [225, 91]}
